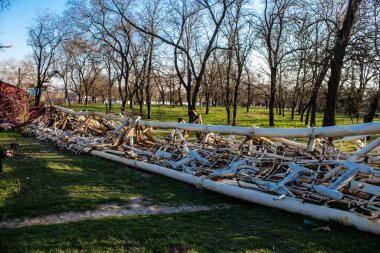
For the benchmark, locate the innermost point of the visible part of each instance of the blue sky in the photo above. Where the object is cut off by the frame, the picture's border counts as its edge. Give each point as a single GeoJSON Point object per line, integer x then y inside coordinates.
{"type": "Point", "coordinates": [15, 20]}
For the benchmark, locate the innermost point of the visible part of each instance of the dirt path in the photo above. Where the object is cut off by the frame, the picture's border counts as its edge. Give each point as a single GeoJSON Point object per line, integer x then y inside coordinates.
{"type": "Point", "coordinates": [135, 207]}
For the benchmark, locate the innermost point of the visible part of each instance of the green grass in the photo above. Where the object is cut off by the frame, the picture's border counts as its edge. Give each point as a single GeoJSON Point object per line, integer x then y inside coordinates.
{"type": "Point", "coordinates": [257, 116]}
{"type": "Point", "coordinates": [41, 180]}
{"type": "Point", "coordinates": [247, 228]}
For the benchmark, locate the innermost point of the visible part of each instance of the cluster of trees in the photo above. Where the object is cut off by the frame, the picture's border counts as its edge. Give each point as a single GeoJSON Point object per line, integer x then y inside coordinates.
{"type": "Point", "coordinates": [306, 55]}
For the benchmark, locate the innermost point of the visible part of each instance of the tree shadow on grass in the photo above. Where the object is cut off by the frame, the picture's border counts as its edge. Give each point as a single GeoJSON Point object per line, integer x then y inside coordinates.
{"type": "Point", "coordinates": [51, 181]}
{"type": "Point", "coordinates": [42, 180]}
{"type": "Point", "coordinates": [246, 228]}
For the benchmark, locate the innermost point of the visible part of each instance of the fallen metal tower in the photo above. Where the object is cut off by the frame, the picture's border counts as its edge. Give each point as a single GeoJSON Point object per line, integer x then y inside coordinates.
{"type": "Point", "coordinates": [294, 169]}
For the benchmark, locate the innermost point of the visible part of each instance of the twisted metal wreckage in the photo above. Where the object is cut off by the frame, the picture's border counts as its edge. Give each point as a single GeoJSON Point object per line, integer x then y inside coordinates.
{"type": "Point", "coordinates": [297, 170]}
{"type": "Point", "coordinates": [14, 107]}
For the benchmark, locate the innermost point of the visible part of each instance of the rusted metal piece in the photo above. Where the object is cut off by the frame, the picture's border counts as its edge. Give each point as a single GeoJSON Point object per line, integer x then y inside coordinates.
{"type": "Point", "coordinates": [14, 107]}
{"type": "Point", "coordinates": [13, 104]}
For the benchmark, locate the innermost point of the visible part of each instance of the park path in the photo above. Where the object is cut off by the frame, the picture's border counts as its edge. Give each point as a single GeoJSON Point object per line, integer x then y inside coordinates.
{"type": "Point", "coordinates": [135, 207]}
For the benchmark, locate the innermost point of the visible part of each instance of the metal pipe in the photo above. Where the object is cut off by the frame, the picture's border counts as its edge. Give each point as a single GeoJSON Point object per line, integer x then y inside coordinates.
{"type": "Point", "coordinates": [355, 157]}
{"type": "Point", "coordinates": [285, 203]}
{"type": "Point", "coordinates": [333, 131]}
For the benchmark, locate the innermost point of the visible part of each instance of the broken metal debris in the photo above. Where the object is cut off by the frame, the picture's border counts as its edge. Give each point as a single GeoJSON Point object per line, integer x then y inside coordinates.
{"type": "Point", "coordinates": [14, 107]}
{"type": "Point", "coordinates": [298, 170]}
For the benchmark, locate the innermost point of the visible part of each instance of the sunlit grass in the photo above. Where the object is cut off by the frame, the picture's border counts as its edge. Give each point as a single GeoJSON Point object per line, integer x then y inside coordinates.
{"type": "Point", "coordinates": [41, 180]}
{"type": "Point", "coordinates": [257, 116]}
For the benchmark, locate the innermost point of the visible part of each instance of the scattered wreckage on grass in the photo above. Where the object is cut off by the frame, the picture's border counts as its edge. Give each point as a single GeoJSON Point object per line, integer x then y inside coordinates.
{"type": "Point", "coordinates": [294, 169]}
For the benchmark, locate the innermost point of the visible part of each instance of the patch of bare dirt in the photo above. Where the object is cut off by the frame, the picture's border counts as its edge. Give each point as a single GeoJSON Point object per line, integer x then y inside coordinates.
{"type": "Point", "coordinates": [136, 206]}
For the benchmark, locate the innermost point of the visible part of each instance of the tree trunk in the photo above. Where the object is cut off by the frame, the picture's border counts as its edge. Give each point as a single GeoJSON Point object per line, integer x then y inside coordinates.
{"type": "Point", "coordinates": [272, 98]}
{"type": "Point", "coordinates": [86, 98]}
{"type": "Point", "coordinates": [189, 105]}
{"type": "Point", "coordinates": [131, 100]}
{"type": "Point", "coordinates": [123, 105]}
{"type": "Point", "coordinates": [339, 52]}
{"type": "Point", "coordinates": [37, 98]}
{"type": "Point", "coordinates": [314, 95]}
{"type": "Point", "coordinates": [372, 106]}
{"type": "Point", "coordinates": [303, 110]}
{"type": "Point", "coordinates": [141, 105]}
{"type": "Point", "coordinates": [109, 105]}
{"type": "Point", "coordinates": [249, 96]}
{"type": "Point", "coordinates": [79, 98]}
{"type": "Point", "coordinates": [249, 100]}
{"type": "Point", "coordinates": [180, 95]}
{"type": "Point", "coordinates": [147, 87]}
{"type": "Point", "coordinates": [163, 100]}
{"type": "Point", "coordinates": [307, 116]}
{"type": "Point", "coordinates": [292, 112]}
{"type": "Point", "coordinates": [236, 93]}
{"type": "Point", "coordinates": [207, 102]}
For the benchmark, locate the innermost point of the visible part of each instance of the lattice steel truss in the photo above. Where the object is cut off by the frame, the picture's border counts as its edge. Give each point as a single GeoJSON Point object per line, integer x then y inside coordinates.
{"type": "Point", "coordinates": [299, 170]}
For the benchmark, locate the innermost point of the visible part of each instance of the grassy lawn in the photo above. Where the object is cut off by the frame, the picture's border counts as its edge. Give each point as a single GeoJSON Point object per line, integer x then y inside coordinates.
{"type": "Point", "coordinates": [42, 180]}
{"type": "Point", "coordinates": [257, 116]}
{"type": "Point", "coordinates": [247, 228]}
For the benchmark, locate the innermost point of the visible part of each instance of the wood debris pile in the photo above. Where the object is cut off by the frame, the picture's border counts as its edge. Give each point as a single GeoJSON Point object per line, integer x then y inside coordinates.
{"type": "Point", "coordinates": [291, 166]}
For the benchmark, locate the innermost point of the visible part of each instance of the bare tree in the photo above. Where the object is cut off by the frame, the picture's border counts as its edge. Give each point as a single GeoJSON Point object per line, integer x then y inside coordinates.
{"type": "Point", "coordinates": [249, 83]}
{"type": "Point", "coordinates": [242, 49]}
{"type": "Point", "coordinates": [63, 67]}
{"type": "Point", "coordinates": [272, 28]}
{"type": "Point", "coordinates": [209, 82]}
{"type": "Point", "coordinates": [18, 72]}
{"type": "Point", "coordinates": [80, 68]}
{"type": "Point", "coordinates": [197, 63]}
{"type": "Point", "coordinates": [338, 54]}
{"type": "Point", "coordinates": [44, 38]}
{"type": "Point", "coordinates": [375, 35]}
{"type": "Point", "coordinates": [160, 84]}
{"type": "Point", "coordinates": [140, 54]}
{"type": "Point", "coordinates": [234, 57]}
{"type": "Point", "coordinates": [167, 51]}
{"type": "Point", "coordinates": [115, 34]}
{"type": "Point", "coordinates": [109, 64]}
{"type": "Point", "coordinates": [320, 31]}
{"type": "Point", "coordinates": [4, 4]}
{"type": "Point", "coordinates": [151, 11]}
